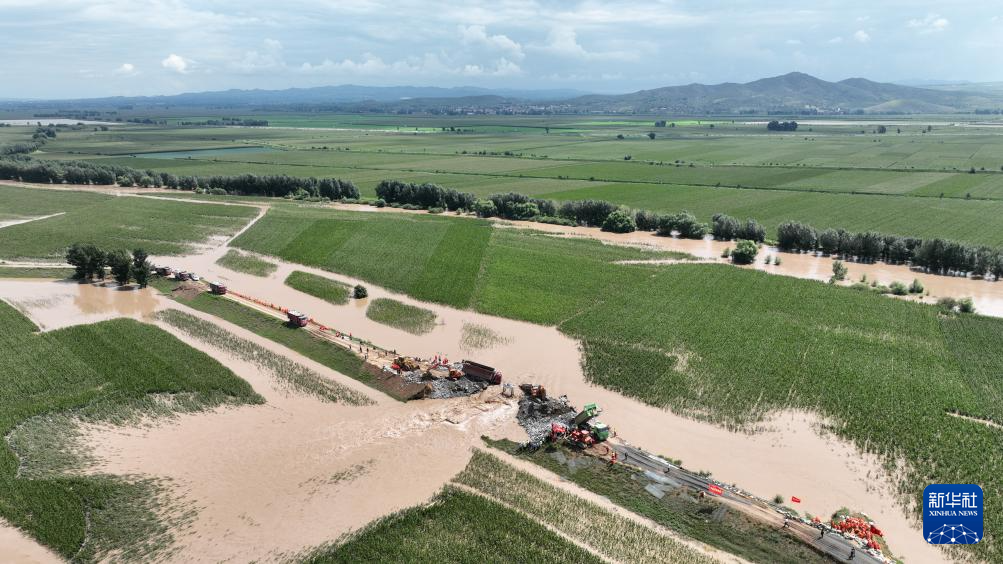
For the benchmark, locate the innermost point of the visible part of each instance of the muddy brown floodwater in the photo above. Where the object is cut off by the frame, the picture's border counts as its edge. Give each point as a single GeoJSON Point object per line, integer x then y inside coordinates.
{"type": "Point", "coordinates": [53, 304]}
{"type": "Point", "coordinates": [788, 456]}
{"type": "Point", "coordinates": [296, 472]}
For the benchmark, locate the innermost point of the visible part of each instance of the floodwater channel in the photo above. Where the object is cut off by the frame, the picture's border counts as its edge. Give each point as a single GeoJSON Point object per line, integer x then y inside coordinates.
{"type": "Point", "coordinates": [242, 466]}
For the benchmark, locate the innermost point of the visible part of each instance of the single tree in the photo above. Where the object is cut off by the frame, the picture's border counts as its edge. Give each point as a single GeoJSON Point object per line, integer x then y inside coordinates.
{"type": "Point", "coordinates": [360, 292]}
{"type": "Point", "coordinates": [839, 271]}
{"type": "Point", "coordinates": [121, 266]}
{"type": "Point", "coordinates": [139, 257]}
{"type": "Point", "coordinates": [619, 221]}
{"type": "Point", "coordinates": [745, 252]}
{"type": "Point", "coordinates": [141, 273]}
{"type": "Point", "coordinates": [651, 135]}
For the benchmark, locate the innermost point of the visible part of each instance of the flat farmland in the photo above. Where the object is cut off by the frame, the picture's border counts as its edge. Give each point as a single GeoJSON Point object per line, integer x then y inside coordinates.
{"type": "Point", "coordinates": [158, 226]}
{"type": "Point", "coordinates": [715, 342]}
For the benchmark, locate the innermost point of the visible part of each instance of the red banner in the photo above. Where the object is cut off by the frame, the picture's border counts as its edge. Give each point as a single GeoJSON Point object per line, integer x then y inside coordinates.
{"type": "Point", "coordinates": [715, 489]}
{"type": "Point", "coordinates": [796, 499]}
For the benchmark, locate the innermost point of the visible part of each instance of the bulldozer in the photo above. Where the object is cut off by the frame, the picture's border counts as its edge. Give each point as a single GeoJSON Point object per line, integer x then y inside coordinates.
{"type": "Point", "coordinates": [407, 364]}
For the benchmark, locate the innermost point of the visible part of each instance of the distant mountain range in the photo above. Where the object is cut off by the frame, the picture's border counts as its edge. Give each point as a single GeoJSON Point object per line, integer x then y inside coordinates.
{"type": "Point", "coordinates": [343, 94]}
{"type": "Point", "coordinates": [793, 93]}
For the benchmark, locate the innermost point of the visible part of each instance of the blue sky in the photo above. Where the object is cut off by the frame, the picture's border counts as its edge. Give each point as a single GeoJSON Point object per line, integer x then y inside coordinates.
{"type": "Point", "coordinates": [79, 48]}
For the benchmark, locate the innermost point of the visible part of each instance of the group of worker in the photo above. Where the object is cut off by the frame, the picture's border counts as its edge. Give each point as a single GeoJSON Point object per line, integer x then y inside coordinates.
{"type": "Point", "coordinates": [821, 535]}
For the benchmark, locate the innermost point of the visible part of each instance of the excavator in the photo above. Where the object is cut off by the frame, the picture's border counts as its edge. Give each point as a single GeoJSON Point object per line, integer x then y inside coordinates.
{"type": "Point", "coordinates": [584, 430]}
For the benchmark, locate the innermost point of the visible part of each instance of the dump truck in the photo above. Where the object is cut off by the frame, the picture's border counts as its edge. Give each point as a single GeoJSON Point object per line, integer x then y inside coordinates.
{"type": "Point", "coordinates": [182, 276]}
{"type": "Point", "coordinates": [217, 288]}
{"type": "Point", "coordinates": [481, 373]}
{"type": "Point", "coordinates": [297, 319]}
{"type": "Point", "coordinates": [584, 416]}
{"type": "Point", "coordinates": [583, 431]}
{"type": "Point", "coordinates": [165, 270]}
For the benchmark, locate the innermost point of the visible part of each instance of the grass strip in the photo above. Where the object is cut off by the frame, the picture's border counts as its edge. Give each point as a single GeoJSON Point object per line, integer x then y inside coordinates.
{"type": "Point", "coordinates": [326, 289]}
{"type": "Point", "coordinates": [705, 520]}
{"type": "Point", "coordinates": [413, 319]}
{"type": "Point", "coordinates": [260, 323]}
{"type": "Point", "coordinates": [296, 376]}
{"type": "Point", "coordinates": [455, 526]}
{"type": "Point", "coordinates": [248, 264]}
{"type": "Point", "coordinates": [35, 272]}
{"type": "Point", "coordinates": [611, 535]}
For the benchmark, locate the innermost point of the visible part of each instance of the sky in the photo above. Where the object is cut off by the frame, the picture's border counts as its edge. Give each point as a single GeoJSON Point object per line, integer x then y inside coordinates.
{"type": "Point", "coordinates": [78, 48]}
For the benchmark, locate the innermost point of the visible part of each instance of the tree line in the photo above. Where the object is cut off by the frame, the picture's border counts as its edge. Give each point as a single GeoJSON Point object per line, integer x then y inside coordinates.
{"type": "Point", "coordinates": [84, 172]}
{"type": "Point", "coordinates": [775, 125]}
{"type": "Point", "coordinates": [936, 255]}
{"type": "Point", "coordinates": [89, 262]}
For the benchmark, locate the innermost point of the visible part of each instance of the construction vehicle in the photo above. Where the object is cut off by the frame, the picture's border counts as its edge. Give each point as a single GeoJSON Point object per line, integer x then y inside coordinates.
{"type": "Point", "coordinates": [297, 319]}
{"type": "Point", "coordinates": [534, 391]}
{"type": "Point", "coordinates": [590, 412]}
{"type": "Point", "coordinates": [406, 364]}
{"type": "Point", "coordinates": [182, 276]}
{"type": "Point", "coordinates": [164, 271]}
{"type": "Point", "coordinates": [584, 430]}
{"type": "Point", "coordinates": [217, 288]}
{"type": "Point", "coordinates": [481, 372]}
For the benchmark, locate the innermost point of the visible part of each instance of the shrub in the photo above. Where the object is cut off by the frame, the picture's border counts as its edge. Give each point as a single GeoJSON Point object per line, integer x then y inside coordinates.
{"type": "Point", "coordinates": [380, 203]}
{"type": "Point", "coordinates": [646, 220]}
{"type": "Point", "coordinates": [620, 221]}
{"type": "Point", "coordinates": [485, 208]}
{"type": "Point", "coordinates": [360, 292]}
{"type": "Point", "coordinates": [684, 223]}
{"type": "Point", "coordinates": [839, 271]}
{"type": "Point", "coordinates": [745, 252]}
{"type": "Point", "coordinates": [898, 288]}
{"type": "Point", "coordinates": [916, 287]}
{"type": "Point", "coordinates": [726, 252]}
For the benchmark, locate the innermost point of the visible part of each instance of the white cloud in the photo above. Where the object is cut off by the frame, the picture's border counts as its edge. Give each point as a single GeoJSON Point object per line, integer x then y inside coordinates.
{"type": "Point", "coordinates": [127, 69]}
{"type": "Point", "coordinates": [563, 41]}
{"type": "Point", "coordinates": [176, 63]}
{"type": "Point", "coordinates": [268, 58]}
{"type": "Point", "coordinates": [478, 35]}
{"type": "Point", "coordinates": [430, 64]}
{"type": "Point", "coordinates": [836, 40]}
{"type": "Point", "coordinates": [793, 42]}
{"type": "Point", "coordinates": [862, 36]}
{"type": "Point", "coordinates": [932, 23]}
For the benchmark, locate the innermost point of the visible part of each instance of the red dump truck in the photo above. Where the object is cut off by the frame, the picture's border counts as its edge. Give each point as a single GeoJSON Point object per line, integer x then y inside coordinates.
{"type": "Point", "coordinates": [296, 318]}
{"type": "Point", "coordinates": [217, 288]}
{"type": "Point", "coordinates": [481, 372]}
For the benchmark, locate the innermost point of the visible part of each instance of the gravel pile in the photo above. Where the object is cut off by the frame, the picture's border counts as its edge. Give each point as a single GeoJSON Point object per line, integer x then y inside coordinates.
{"type": "Point", "coordinates": [462, 386]}
{"type": "Point", "coordinates": [536, 416]}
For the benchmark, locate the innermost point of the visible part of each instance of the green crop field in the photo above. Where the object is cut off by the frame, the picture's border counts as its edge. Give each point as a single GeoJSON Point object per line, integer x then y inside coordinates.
{"type": "Point", "coordinates": [330, 355]}
{"type": "Point", "coordinates": [909, 181]}
{"type": "Point", "coordinates": [610, 534]}
{"type": "Point", "coordinates": [888, 371]}
{"type": "Point", "coordinates": [455, 526]}
{"type": "Point", "coordinates": [405, 317]}
{"type": "Point", "coordinates": [680, 511]}
{"type": "Point", "coordinates": [101, 372]}
{"type": "Point", "coordinates": [249, 264]}
{"type": "Point", "coordinates": [109, 222]}
{"type": "Point", "coordinates": [326, 289]}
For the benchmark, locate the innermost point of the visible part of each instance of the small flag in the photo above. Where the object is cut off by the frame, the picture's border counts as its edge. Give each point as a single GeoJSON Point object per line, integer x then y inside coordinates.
{"type": "Point", "coordinates": [796, 499]}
